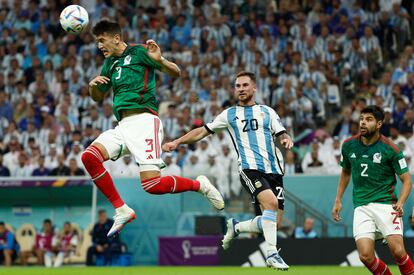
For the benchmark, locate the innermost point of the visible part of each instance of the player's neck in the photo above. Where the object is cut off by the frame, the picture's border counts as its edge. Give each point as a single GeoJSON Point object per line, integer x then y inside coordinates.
{"type": "Point", "coordinates": [247, 104]}
{"type": "Point", "coordinates": [121, 48]}
{"type": "Point", "coordinates": [370, 140]}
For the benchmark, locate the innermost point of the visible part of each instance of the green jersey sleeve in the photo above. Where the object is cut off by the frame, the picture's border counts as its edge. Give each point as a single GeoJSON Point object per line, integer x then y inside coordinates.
{"type": "Point", "coordinates": [344, 162]}
{"type": "Point", "coordinates": [105, 71]}
{"type": "Point", "coordinates": [145, 59]}
{"type": "Point", "coordinates": [399, 163]}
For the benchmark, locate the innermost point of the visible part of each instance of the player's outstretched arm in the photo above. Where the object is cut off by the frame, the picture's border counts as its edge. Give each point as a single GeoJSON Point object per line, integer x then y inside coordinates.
{"type": "Point", "coordinates": [343, 184]}
{"type": "Point", "coordinates": [404, 193]}
{"type": "Point", "coordinates": [168, 67]}
{"type": "Point", "coordinates": [191, 137]}
{"type": "Point", "coordinates": [96, 94]}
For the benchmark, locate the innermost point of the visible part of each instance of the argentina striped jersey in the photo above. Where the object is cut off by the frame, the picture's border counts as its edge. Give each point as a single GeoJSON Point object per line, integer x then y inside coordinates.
{"type": "Point", "coordinates": [252, 129]}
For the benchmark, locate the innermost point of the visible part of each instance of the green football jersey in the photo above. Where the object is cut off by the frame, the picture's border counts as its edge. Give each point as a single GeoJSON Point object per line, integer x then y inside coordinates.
{"type": "Point", "coordinates": [373, 169]}
{"type": "Point", "coordinates": [132, 76]}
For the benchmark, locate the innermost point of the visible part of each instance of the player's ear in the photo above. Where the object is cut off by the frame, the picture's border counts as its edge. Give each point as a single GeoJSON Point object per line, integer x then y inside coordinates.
{"type": "Point", "coordinates": [379, 123]}
{"type": "Point", "coordinates": [117, 38]}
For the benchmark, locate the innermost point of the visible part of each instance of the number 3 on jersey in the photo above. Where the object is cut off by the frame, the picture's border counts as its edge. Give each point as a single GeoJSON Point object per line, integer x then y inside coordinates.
{"type": "Point", "coordinates": [364, 172]}
{"type": "Point", "coordinates": [118, 70]}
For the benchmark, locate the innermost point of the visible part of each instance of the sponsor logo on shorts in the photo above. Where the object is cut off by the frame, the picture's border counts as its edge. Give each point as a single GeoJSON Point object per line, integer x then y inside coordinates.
{"type": "Point", "coordinates": [150, 157]}
{"type": "Point", "coordinates": [353, 156]}
{"type": "Point", "coordinates": [258, 184]}
{"type": "Point", "coordinates": [397, 228]}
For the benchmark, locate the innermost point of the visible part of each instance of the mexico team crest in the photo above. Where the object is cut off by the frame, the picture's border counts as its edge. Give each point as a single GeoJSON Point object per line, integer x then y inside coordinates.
{"type": "Point", "coordinates": [127, 60]}
{"type": "Point", "coordinates": [376, 158]}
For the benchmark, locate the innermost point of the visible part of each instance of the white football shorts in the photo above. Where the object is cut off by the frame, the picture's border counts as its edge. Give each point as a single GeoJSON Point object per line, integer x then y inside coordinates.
{"type": "Point", "coordinates": [376, 221]}
{"type": "Point", "coordinates": [138, 135]}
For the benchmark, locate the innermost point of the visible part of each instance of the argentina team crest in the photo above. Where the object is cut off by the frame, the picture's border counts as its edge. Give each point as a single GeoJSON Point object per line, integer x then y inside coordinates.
{"type": "Point", "coordinates": [376, 158]}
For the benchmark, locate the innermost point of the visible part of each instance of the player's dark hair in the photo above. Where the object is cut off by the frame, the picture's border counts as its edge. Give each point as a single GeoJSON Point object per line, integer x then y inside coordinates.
{"type": "Point", "coordinates": [105, 26]}
{"type": "Point", "coordinates": [251, 75]}
{"type": "Point", "coordinates": [47, 221]}
{"type": "Point", "coordinates": [375, 110]}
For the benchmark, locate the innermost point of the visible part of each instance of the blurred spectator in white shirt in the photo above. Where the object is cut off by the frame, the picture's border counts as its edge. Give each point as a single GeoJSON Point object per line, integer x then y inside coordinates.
{"type": "Point", "coordinates": [171, 167]}
{"type": "Point", "coordinates": [193, 168]}
{"type": "Point", "coordinates": [23, 170]}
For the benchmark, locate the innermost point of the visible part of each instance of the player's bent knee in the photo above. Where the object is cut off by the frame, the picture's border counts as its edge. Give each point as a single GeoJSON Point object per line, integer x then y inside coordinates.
{"type": "Point", "coordinates": [398, 252]}
{"type": "Point", "coordinates": [366, 258]}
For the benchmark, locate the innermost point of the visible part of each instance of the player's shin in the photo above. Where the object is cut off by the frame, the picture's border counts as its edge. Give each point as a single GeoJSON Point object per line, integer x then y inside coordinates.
{"type": "Point", "coordinates": [92, 160]}
{"type": "Point", "coordinates": [169, 184]}
{"type": "Point", "coordinates": [250, 226]}
{"type": "Point", "coordinates": [268, 221]}
{"type": "Point", "coordinates": [405, 264]}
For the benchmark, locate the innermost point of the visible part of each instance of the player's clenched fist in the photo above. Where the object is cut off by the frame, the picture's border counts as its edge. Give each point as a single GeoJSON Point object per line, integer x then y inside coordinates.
{"type": "Point", "coordinates": [169, 146]}
{"type": "Point", "coordinates": [100, 79]}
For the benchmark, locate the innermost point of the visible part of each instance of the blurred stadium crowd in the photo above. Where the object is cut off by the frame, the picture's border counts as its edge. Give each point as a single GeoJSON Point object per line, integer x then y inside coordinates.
{"type": "Point", "coordinates": [317, 62]}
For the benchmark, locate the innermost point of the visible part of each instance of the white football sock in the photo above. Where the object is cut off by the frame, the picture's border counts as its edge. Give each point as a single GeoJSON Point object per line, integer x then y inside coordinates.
{"type": "Point", "coordinates": [251, 226]}
{"type": "Point", "coordinates": [269, 229]}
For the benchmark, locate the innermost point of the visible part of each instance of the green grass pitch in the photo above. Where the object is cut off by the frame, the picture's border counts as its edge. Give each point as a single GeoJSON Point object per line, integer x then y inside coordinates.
{"type": "Point", "coordinates": [139, 270]}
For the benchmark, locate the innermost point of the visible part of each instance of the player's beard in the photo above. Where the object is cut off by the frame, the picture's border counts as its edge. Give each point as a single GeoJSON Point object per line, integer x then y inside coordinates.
{"type": "Point", "coordinates": [368, 132]}
{"type": "Point", "coordinates": [247, 98]}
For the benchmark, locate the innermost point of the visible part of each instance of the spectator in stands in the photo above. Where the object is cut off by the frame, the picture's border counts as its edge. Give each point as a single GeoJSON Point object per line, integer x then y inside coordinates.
{"type": "Point", "coordinates": [102, 245]}
{"type": "Point", "coordinates": [9, 248]}
{"type": "Point", "coordinates": [45, 244]}
{"type": "Point", "coordinates": [193, 168]}
{"type": "Point", "coordinates": [41, 170]}
{"type": "Point", "coordinates": [74, 169]}
{"type": "Point", "coordinates": [68, 243]}
{"type": "Point", "coordinates": [406, 126]}
{"type": "Point", "coordinates": [343, 126]}
{"type": "Point", "coordinates": [306, 231]}
{"type": "Point", "coordinates": [61, 169]}
{"type": "Point", "coordinates": [291, 165]}
{"type": "Point", "coordinates": [23, 169]}
{"type": "Point", "coordinates": [4, 171]}
{"type": "Point", "coordinates": [6, 109]}
{"type": "Point", "coordinates": [124, 167]}
{"type": "Point", "coordinates": [314, 162]}
{"type": "Point", "coordinates": [410, 232]}
{"type": "Point", "coordinates": [171, 167]}
{"type": "Point", "coordinates": [51, 160]}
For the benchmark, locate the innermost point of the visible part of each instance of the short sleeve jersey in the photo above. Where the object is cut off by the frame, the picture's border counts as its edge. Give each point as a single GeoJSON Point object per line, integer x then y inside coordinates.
{"type": "Point", "coordinates": [373, 169]}
{"type": "Point", "coordinates": [132, 78]}
{"type": "Point", "coordinates": [252, 130]}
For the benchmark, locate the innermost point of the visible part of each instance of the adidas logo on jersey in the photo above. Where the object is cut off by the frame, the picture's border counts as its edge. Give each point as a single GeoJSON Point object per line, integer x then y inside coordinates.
{"type": "Point", "coordinates": [353, 156]}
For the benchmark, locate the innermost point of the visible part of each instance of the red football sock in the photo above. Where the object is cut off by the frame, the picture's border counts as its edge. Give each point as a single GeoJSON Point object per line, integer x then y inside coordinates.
{"type": "Point", "coordinates": [406, 265]}
{"type": "Point", "coordinates": [92, 160]}
{"type": "Point", "coordinates": [378, 267]}
{"type": "Point", "coordinates": [169, 184]}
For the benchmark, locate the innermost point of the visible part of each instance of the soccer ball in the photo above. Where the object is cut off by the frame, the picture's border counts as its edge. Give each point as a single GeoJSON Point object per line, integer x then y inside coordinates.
{"type": "Point", "coordinates": [74, 19]}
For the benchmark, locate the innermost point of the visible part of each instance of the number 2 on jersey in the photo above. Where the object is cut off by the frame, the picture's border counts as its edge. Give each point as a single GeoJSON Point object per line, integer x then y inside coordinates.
{"type": "Point", "coordinates": [364, 169]}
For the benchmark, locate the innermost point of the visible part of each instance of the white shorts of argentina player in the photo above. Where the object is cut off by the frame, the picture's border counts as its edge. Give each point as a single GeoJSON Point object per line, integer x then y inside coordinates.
{"type": "Point", "coordinates": [376, 221]}
{"type": "Point", "coordinates": [138, 135]}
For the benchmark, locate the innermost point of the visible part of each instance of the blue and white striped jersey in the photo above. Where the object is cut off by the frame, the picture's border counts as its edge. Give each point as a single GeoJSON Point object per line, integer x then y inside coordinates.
{"type": "Point", "coordinates": [252, 129]}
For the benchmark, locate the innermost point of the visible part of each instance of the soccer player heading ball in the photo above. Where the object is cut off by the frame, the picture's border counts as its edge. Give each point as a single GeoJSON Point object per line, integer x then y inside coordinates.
{"type": "Point", "coordinates": [373, 160]}
{"type": "Point", "coordinates": [130, 71]}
